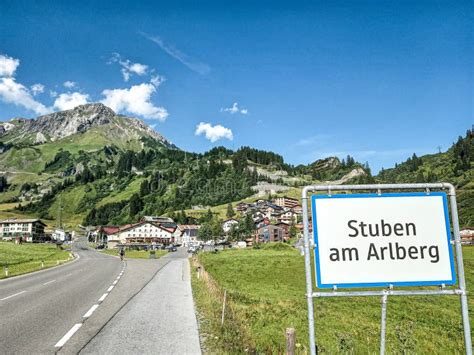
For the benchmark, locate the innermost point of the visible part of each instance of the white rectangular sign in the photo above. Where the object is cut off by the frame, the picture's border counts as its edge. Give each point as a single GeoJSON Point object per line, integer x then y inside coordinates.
{"type": "Point", "coordinates": [365, 240]}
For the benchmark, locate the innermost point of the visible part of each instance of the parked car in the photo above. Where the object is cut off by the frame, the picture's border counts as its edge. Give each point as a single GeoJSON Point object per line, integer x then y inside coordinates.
{"type": "Point", "coordinates": [172, 248]}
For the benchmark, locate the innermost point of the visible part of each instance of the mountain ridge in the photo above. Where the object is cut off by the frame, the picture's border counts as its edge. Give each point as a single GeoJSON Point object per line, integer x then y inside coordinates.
{"type": "Point", "coordinates": [62, 124]}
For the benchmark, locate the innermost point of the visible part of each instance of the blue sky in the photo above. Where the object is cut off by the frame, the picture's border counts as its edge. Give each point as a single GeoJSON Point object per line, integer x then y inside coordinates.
{"type": "Point", "coordinates": [377, 80]}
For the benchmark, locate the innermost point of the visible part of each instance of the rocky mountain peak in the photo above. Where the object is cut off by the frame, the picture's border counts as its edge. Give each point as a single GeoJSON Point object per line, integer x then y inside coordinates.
{"type": "Point", "coordinates": [58, 125]}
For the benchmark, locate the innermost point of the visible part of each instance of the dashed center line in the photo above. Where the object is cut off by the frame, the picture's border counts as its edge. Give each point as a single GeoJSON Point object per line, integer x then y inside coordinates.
{"type": "Point", "coordinates": [68, 335]}
{"type": "Point", "coordinates": [90, 311]}
{"type": "Point", "coordinates": [49, 282]}
{"type": "Point", "coordinates": [76, 327]}
{"type": "Point", "coordinates": [16, 294]}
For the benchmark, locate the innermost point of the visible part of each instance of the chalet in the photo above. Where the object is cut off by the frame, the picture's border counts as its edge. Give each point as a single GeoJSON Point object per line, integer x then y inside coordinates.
{"type": "Point", "coordinates": [146, 232]}
{"type": "Point", "coordinates": [285, 202]}
{"type": "Point", "coordinates": [241, 207]}
{"type": "Point", "coordinates": [29, 230]}
{"type": "Point", "coordinates": [190, 234]}
{"type": "Point", "coordinates": [286, 217]}
{"type": "Point", "coordinates": [227, 224]}
{"type": "Point", "coordinates": [286, 229]}
{"type": "Point", "coordinates": [298, 210]}
{"type": "Point", "coordinates": [269, 233]}
{"type": "Point", "coordinates": [109, 234]}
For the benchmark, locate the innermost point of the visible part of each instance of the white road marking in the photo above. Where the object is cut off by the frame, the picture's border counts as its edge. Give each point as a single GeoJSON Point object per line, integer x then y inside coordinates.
{"type": "Point", "coordinates": [49, 282]}
{"type": "Point", "coordinates": [16, 294]}
{"type": "Point", "coordinates": [90, 311]}
{"type": "Point", "coordinates": [115, 282]}
{"type": "Point", "coordinates": [110, 288]}
{"type": "Point", "coordinates": [68, 335]}
{"type": "Point", "coordinates": [103, 297]}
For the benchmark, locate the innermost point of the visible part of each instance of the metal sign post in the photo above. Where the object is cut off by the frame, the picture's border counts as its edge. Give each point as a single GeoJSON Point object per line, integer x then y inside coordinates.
{"type": "Point", "coordinates": [440, 273]}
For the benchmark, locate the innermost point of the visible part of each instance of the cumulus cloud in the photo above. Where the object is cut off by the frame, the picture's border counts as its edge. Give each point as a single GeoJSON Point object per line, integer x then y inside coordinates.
{"type": "Point", "coordinates": [135, 100]}
{"type": "Point", "coordinates": [37, 89]}
{"type": "Point", "coordinates": [213, 133]}
{"type": "Point", "coordinates": [129, 68]}
{"type": "Point", "coordinates": [68, 101]}
{"type": "Point", "coordinates": [18, 94]}
{"type": "Point", "coordinates": [8, 65]}
{"type": "Point", "coordinates": [70, 84]}
{"type": "Point", "coordinates": [235, 109]}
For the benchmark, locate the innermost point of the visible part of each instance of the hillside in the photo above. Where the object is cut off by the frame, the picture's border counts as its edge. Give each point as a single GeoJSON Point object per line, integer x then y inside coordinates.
{"type": "Point", "coordinates": [456, 166]}
{"type": "Point", "coordinates": [99, 168]}
{"type": "Point", "coordinates": [104, 168]}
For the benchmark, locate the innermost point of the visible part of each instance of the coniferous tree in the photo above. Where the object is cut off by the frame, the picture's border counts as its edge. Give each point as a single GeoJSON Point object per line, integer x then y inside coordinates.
{"type": "Point", "coordinates": [230, 211]}
{"type": "Point", "coordinates": [136, 205]}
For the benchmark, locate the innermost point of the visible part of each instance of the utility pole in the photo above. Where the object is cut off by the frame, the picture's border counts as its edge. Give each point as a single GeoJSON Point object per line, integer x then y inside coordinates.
{"type": "Point", "coordinates": [439, 148]}
{"type": "Point", "coordinates": [60, 213]}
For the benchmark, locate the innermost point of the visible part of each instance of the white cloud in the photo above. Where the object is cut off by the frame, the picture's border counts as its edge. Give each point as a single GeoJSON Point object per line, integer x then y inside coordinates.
{"type": "Point", "coordinates": [157, 80]}
{"type": "Point", "coordinates": [37, 89]}
{"type": "Point", "coordinates": [8, 65]}
{"type": "Point", "coordinates": [68, 101]}
{"type": "Point", "coordinates": [53, 93]}
{"type": "Point", "coordinates": [16, 93]}
{"type": "Point", "coordinates": [69, 84]}
{"type": "Point", "coordinates": [135, 100]}
{"type": "Point", "coordinates": [235, 109]}
{"type": "Point", "coordinates": [129, 68]}
{"type": "Point", "coordinates": [213, 133]}
{"type": "Point", "coordinates": [200, 68]}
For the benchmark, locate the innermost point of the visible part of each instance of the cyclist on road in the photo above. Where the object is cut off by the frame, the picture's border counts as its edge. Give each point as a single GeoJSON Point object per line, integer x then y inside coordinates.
{"type": "Point", "coordinates": [122, 253]}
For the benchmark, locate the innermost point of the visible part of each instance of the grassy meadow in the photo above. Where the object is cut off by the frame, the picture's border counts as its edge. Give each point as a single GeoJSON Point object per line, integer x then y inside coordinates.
{"type": "Point", "coordinates": [266, 294]}
{"type": "Point", "coordinates": [27, 257]}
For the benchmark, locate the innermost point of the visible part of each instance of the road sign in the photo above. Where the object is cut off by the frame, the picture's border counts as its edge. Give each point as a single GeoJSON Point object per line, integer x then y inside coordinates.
{"type": "Point", "coordinates": [410, 232]}
{"type": "Point", "coordinates": [371, 240]}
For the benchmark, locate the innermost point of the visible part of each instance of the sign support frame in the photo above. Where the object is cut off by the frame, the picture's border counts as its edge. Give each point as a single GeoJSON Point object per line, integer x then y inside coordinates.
{"type": "Point", "coordinates": [461, 290]}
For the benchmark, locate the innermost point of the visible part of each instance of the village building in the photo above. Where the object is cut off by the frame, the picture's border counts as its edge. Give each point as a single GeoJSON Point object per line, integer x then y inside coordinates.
{"type": "Point", "coordinates": [269, 233]}
{"type": "Point", "coordinates": [285, 201]}
{"type": "Point", "coordinates": [286, 229]}
{"type": "Point", "coordinates": [190, 234]}
{"type": "Point", "coordinates": [286, 217]}
{"type": "Point", "coordinates": [29, 230]}
{"type": "Point", "coordinates": [227, 224]}
{"type": "Point", "coordinates": [146, 232]}
{"type": "Point", "coordinates": [241, 207]}
{"type": "Point", "coordinates": [467, 235]}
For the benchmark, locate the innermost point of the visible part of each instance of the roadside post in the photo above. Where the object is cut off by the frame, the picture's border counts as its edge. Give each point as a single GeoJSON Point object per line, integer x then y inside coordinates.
{"type": "Point", "coordinates": [387, 239]}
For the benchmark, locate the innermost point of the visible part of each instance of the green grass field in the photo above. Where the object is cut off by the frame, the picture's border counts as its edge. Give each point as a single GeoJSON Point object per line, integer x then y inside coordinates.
{"type": "Point", "coordinates": [266, 293]}
{"type": "Point", "coordinates": [27, 257]}
{"type": "Point", "coordinates": [135, 254]}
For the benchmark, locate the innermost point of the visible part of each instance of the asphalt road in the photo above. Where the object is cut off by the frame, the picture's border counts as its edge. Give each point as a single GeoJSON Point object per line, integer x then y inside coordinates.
{"type": "Point", "coordinates": [159, 319]}
{"type": "Point", "coordinates": [38, 309]}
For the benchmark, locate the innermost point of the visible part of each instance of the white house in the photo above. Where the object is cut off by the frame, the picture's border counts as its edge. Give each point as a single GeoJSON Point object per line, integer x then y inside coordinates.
{"type": "Point", "coordinates": [227, 224]}
{"type": "Point", "coordinates": [59, 234]}
{"type": "Point", "coordinates": [28, 229]}
{"type": "Point", "coordinates": [190, 233]}
{"type": "Point", "coordinates": [146, 232]}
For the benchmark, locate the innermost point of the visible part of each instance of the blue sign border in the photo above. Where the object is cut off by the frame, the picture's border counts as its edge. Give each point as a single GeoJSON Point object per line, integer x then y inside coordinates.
{"type": "Point", "coordinates": [452, 281]}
